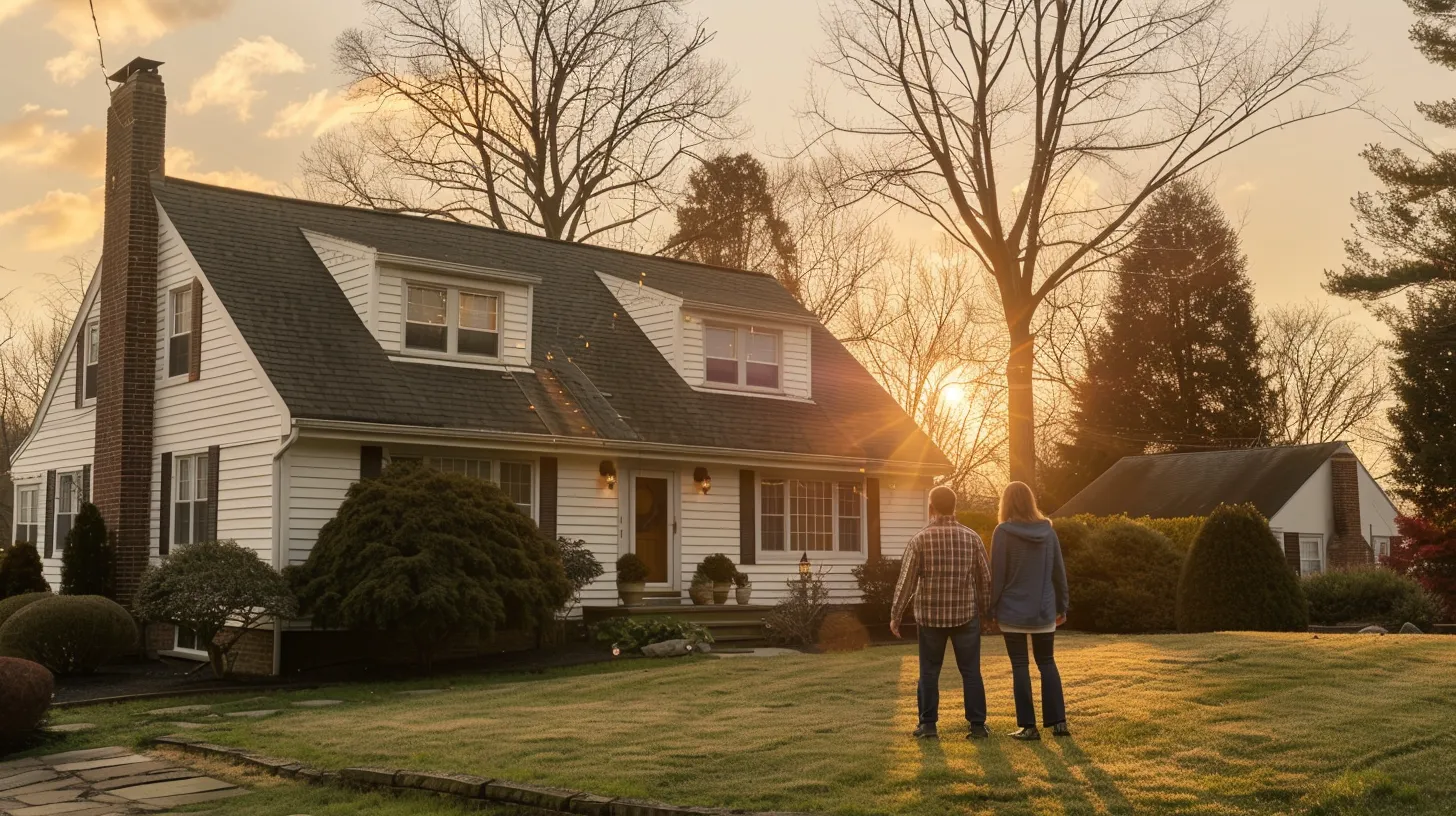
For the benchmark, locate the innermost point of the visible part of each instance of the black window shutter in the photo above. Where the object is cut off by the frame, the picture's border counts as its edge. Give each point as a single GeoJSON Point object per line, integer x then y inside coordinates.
{"type": "Point", "coordinates": [371, 461]}
{"type": "Point", "coordinates": [86, 484]}
{"type": "Point", "coordinates": [50, 514]}
{"type": "Point", "coordinates": [194, 353]}
{"type": "Point", "coordinates": [214, 456]}
{"type": "Point", "coordinates": [164, 523]}
{"type": "Point", "coordinates": [747, 518]}
{"type": "Point", "coordinates": [548, 496]}
{"type": "Point", "coordinates": [872, 516]}
{"type": "Point", "coordinates": [1291, 551]}
{"type": "Point", "coordinates": [81, 365]}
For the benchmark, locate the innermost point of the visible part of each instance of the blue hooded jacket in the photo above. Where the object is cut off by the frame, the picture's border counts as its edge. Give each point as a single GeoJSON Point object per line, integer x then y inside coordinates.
{"type": "Point", "coordinates": [1028, 578]}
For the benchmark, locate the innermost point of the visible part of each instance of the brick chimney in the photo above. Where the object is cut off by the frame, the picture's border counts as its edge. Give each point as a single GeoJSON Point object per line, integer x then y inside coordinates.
{"type": "Point", "coordinates": [1347, 548]}
{"type": "Point", "coordinates": [136, 126]}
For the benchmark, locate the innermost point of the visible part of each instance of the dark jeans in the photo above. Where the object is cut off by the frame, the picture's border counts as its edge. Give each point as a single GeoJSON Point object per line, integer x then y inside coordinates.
{"type": "Point", "coordinates": [1054, 707]}
{"type": "Point", "coordinates": [966, 640]}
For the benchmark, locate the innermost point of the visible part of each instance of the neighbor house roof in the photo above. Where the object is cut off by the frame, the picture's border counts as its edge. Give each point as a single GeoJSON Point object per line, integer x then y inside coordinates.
{"type": "Point", "coordinates": [596, 373]}
{"type": "Point", "coordinates": [1192, 484]}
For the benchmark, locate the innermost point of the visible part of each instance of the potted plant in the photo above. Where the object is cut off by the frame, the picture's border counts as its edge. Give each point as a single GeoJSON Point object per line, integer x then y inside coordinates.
{"type": "Point", "coordinates": [631, 579]}
{"type": "Point", "coordinates": [720, 570]}
{"type": "Point", "coordinates": [701, 590]}
{"type": "Point", "coordinates": [742, 588]}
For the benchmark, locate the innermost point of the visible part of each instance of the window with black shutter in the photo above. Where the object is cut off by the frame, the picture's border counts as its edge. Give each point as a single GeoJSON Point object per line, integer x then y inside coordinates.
{"type": "Point", "coordinates": [179, 332]}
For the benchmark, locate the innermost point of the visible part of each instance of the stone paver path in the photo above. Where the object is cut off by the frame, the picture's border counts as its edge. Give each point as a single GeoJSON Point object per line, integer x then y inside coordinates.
{"type": "Point", "coordinates": [102, 782]}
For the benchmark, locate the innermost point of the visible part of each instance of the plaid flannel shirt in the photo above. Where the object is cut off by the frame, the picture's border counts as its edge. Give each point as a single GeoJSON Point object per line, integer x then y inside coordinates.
{"type": "Point", "coordinates": [945, 571]}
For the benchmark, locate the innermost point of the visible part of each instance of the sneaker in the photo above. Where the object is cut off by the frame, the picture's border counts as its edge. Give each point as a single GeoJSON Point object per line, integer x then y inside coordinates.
{"type": "Point", "coordinates": [1027, 734]}
{"type": "Point", "coordinates": [1061, 730]}
{"type": "Point", "coordinates": [978, 732]}
{"type": "Point", "coordinates": [925, 731]}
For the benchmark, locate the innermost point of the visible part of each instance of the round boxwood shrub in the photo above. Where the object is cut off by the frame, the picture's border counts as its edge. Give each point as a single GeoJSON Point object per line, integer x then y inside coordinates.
{"type": "Point", "coordinates": [1236, 579]}
{"type": "Point", "coordinates": [21, 571]}
{"type": "Point", "coordinates": [69, 634]}
{"type": "Point", "coordinates": [1123, 578]}
{"type": "Point", "coordinates": [15, 603]}
{"type": "Point", "coordinates": [431, 555]}
{"type": "Point", "coordinates": [1371, 595]}
{"type": "Point", "coordinates": [28, 688]}
{"type": "Point", "coordinates": [719, 568]}
{"type": "Point", "coordinates": [631, 569]}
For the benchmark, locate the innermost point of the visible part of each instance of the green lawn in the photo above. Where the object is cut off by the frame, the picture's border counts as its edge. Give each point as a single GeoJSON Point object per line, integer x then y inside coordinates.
{"type": "Point", "coordinates": [1210, 724]}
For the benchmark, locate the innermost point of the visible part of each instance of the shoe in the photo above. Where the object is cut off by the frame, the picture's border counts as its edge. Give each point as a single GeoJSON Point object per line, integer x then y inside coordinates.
{"type": "Point", "coordinates": [1061, 730]}
{"type": "Point", "coordinates": [1028, 734]}
{"type": "Point", "coordinates": [978, 732]}
{"type": "Point", "coordinates": [925, 731]}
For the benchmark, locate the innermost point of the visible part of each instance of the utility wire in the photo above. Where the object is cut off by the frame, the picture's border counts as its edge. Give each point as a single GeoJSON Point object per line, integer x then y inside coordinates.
{"type": "Point", "coordinates": [100, 53]}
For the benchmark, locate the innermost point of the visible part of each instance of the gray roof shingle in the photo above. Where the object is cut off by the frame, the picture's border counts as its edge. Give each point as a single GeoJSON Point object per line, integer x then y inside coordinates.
{"type": "Point", "coordinates": [600, 366]}
{"type": "Point", "coordinates": [1193, 484]}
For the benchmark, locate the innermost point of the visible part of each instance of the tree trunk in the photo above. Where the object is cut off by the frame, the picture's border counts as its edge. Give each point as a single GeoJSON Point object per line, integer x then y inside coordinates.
{"type": "Point", "coordinates": [1021, 419]}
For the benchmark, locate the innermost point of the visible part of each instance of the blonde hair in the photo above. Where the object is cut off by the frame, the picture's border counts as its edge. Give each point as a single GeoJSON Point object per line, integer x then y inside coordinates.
{"type": "Point", "coordinates": [1018, 503]}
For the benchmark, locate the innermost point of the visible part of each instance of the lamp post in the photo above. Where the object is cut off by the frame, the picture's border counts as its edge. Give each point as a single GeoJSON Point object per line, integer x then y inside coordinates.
{"type": "Point", "coordinates": [804, 566]}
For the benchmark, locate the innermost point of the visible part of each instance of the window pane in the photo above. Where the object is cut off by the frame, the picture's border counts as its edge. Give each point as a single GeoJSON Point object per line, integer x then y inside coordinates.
{"type": "Point", "coordinates": [179, 355]}
{"type": "Point", "coordinates": [771, 514]}
{"type": "Point", "coordinates": [420, 336]}
{"type": "Point", "coordinates": [199, 491]}
{"type": "Point", "coordinates": [93, 343]}
{"type": "Point", "coordinates": [486, 344]}
{"type": "Point", "coordinates": [722, 343]}
{"type": "Point", "coordinates": [426, 306]}
{"type": "Point", "coordinates": [723, 371]}
{"type": "Point", "coordinates": [1310, 561]}
{"type": "Point", "coordinates": [763, 347]}
{"type": "Point", "coordinates": [184, 478]}
{"type": "Point", "coordinates": [811, 510]}
{"type": "Point", "coordinates": [478, 311]}
{"type": "Point", "coordinates": [849, 517]}
{"type": "Point", "coordinates": [199, 518]}
{"type": "Point", "coordinates": [66, 494]}
{"type": "Point", "coordinates": [761, 375]}
{"type": "Point", "coordinates": [182, 523]}
{"type": "Point", "coordinates": [515, 480]}
{"type": "Point", "coordinates": [181, 311]}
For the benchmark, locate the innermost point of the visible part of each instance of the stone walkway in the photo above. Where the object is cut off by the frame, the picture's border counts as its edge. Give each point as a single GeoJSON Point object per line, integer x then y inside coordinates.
{"type": "Point", "coordinates": [100, 782]}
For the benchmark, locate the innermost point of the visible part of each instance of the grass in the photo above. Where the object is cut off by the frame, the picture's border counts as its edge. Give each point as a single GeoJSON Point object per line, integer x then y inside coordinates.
{"type": "Point", "coordinates": [1208, 724]}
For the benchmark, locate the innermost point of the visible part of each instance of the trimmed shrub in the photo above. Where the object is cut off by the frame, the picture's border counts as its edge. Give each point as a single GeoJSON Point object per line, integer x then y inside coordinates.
{"type": "Point", "coordinates": [1180, 531]}
{"type": "Point", "coordinates": [631, 634]}
{"type": "Point", "coordinates": [1236, 579]}
{"type": "Point", "coordinates": [631, 569]}
{"type": "Point", "coordinates": [1426, 551]}
{"type": "Point", "coordinates": [217, 589]}
{"type": "Point", "coordinates": [1370, 595]}
{"type": "Point", "coordinates": [842, 632]}
{"type": "Point", "coordinates": [28, 688]}
{"type": "Point", "coordinates": [21, 571]}
{"type": "Point", "coordinates": [1123, 578]}
{"type": "Point", "coordinates": [719, 568]}
{"type": "Point", "coordinates": [69, 634]}
{"type": "Point", "coordinates": [88, 563]}
{"type": "Point", "coordinates": [432, 555]}
{"type": "Point", "coordinates": [877, 578]}
{"type": "Point", "coordinates": [15, 603]}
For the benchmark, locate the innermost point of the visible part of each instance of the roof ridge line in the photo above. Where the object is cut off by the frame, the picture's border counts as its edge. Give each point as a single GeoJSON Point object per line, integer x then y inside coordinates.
{"type": "Point", "coordinates": [1232, 450]}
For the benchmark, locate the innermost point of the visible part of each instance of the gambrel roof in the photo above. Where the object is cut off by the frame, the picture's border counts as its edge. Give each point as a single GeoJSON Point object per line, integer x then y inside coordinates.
{"type": "Point", "coordinates": [586, 352]}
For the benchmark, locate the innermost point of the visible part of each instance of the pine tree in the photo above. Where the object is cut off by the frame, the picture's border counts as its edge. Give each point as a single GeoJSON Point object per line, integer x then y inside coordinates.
{"type": "Point", "coordinates": [88, 563]}
{"type": "Point", "coordinates": [1175, 367]}
{"type": "Point", "coordinates": [730, 218]}
{"type": "Point", "coordinates": [21, 571]}
{"type": "Point", "coordinates": [1425, 413]}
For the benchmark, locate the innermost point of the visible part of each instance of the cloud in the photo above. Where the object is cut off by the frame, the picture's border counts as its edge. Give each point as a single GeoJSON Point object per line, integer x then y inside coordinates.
{"type": "Point", "coordinates": [32, 140]}
{"type": "Point", "coordinates": [58, 220]}
{"type": "Point", "coordinates": [1246, 187]}
{"type": "Point", "coordinates": [230, 82]}
{"type": "Point", "coordinates": [183, 163]}
{"type": "Point", "coordinates": [326, 110]}
{"type": "Point", "coordinates": [11, 8]}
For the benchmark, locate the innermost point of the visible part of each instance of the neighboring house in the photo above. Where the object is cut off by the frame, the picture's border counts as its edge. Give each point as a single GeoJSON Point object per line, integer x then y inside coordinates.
{"type": "Point", "coordinates": [242, 359]}
{"type": "Point", "coordinates": [1320, 501]}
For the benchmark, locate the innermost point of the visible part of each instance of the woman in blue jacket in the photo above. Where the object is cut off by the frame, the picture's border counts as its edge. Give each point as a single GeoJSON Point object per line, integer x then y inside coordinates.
{"type": "Point", "coordinates": [1029, 600]}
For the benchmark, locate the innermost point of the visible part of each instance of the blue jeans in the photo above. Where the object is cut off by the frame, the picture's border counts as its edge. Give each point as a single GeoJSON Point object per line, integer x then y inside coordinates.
{"type": "Point", "coordinates": [1054, 706]}
{"type": "Point", "coordinates": [966, 640]}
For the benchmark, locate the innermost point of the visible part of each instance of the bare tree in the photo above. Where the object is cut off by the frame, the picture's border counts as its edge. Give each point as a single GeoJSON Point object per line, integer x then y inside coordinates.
{"type": "Point", "coordinates": [566, 118]}
{"type": "Point", "coordinates": [1327, 373]}
{"type": "Point", "coordinates": [1031, 131]}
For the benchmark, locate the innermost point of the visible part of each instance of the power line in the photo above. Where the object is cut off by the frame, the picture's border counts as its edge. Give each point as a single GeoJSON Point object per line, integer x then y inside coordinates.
{"type": "Point", "coordinates": [100, 53]}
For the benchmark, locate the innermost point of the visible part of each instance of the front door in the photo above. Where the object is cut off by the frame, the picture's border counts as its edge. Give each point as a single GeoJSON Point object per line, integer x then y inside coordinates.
{"type": "Point", "coordinates": [652, 525]}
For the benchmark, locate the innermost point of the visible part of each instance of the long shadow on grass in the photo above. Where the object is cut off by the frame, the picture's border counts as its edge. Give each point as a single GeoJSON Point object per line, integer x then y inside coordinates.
{"type": "Point", "coordinates": [1074, 757]}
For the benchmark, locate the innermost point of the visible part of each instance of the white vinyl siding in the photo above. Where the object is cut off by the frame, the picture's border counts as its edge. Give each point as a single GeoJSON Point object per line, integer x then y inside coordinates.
{"type": "Point", "coordinates": [587, 510]}
{"type": "Point", "coordinates": [318, 474]}
{"type": "Point", "coordinates": [656, 313]}
{"type": "Point", "coordinates": [352, 266]}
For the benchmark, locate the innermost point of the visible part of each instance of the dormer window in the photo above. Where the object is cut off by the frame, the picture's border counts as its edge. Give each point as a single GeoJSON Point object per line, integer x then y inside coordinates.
{"type": "Point", "coordinates": [742, 357]}
{"type": "Point", "coordinates": [451, 321]}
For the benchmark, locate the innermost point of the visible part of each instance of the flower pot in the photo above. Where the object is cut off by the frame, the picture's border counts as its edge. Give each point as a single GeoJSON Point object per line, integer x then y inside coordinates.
{"type": "Point", "coordinates": [721, 589]}
{"type": "Point", "coordinates": [701, 594]}
{"type": "Point", "coordinates": [631, 592]}
{"type": "Point", "coordinates": [743, 593]}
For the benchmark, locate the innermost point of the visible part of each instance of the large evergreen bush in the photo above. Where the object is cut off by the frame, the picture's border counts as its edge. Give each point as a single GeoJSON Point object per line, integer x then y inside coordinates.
{"type": "Point", "coordinates": [88, 563]}
{"type": "Point", "coordinates": [1123, 577]}
{"type": "Point", "coordinates": [1370, 595]}
{"type": "Point", "coordinates": [877, 578]}
{"type": "Point", "coordinates": [1236, 579]}
{"type": "Point", "coordinates": [432, 555]}
{"type": "Point", "coordinates": [21, 571]}
{"type": "Point", "coordinates": [70, 634]}
{"type": "Point", "coordinates": [15, 603]}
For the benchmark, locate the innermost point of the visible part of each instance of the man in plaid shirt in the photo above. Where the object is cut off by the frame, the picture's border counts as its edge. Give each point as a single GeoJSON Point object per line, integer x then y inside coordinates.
{"type": "Point", "coordinates": [945, 571]}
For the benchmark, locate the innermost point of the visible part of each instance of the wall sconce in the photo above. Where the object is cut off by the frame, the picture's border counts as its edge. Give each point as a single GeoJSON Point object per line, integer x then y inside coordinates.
{"type": "Point", "coordinates": [705, 482]}
{"type": "Point", "coordinates": [804, 566]}
{"type": "Point", "coordinates": [608, 470]}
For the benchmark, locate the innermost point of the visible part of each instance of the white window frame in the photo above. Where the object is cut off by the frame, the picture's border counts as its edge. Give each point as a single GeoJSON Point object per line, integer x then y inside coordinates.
{"type": "Point", "coordinates": [59, 539]}
{"type": "Point", "coordinates": [200, 481]}
{"type": "Point", "coordinates": [182, 295]}
{"type": "Point", "coordinates": [1379, 543]}
{"type": "Point", "coordinates": [486, 467]}
{"type": "Point", "coordinates": [837, 515]}
{"type": "Point", "coordinates": [90, 360]}
{"type": "Point", "coordinates": [33, 518]}
{"type": "Point", "coordinates": [742, 345]}
{"type": "Point", "coordinates": [452, 322]}
{"type": "Point", "coordinates": [186, 651]}
{"type": "Point", "coordinates": [1316, 541]}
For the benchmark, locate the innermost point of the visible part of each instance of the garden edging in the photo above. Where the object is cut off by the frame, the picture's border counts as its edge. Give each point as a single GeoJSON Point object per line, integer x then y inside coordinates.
{"type": "Point", "coordinates": [461, 786]}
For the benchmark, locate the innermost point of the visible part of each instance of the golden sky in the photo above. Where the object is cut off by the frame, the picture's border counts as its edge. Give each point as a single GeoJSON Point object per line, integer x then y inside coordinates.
{"type": "Point", "coordinates": [250, 86]}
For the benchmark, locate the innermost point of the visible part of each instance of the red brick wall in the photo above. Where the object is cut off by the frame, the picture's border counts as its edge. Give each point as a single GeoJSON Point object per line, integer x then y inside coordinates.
{"type": "Point", "coordinates": [126, 376]}
{"type": "Point", "coordinates": [1347, 547]}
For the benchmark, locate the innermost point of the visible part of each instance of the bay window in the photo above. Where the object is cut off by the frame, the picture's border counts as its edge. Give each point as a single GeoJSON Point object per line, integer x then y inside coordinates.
{"type": "Point", "coordinates": [810, 515]}
{"type": "Point", "coordinates": [448, 320]}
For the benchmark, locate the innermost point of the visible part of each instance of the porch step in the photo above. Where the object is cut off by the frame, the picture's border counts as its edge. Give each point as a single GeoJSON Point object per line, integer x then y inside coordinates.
{"type": "Point", "coordinates": [728, 623]}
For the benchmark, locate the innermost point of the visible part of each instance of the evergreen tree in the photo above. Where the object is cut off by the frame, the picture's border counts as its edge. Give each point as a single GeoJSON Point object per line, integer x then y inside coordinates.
{"type": "Point", "coordinates": [1175, 366]}
{"type": "Point", "coordinates": [1425, 388]}
{"type": "Point", "coordinates": [21, 571]}
{"type": "Point", "coordinates": [1235, 578]}
{"type": "Point", "coordinates": [88, 563]}
{"type": "Point", "coordinates": [730, 218]}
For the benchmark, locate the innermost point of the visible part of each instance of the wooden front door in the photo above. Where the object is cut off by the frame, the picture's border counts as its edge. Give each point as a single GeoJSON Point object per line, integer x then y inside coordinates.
{"type": "Point", "coordinates": [652, 526]}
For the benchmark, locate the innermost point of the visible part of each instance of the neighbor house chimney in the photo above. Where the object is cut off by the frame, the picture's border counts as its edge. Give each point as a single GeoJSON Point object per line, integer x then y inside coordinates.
{"type": "Point", "coordinates": [1348, 548]}
{"type": "Point", "coordinates": [136, 126]}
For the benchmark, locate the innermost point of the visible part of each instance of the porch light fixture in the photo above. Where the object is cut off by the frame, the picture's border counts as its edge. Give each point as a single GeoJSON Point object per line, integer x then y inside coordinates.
{"type": "Point", "coordinates": [608, 470]}
{"type": "Point", "coordinates": [705, 482]}
{"type": "Point", "coordinates": [804, 566]}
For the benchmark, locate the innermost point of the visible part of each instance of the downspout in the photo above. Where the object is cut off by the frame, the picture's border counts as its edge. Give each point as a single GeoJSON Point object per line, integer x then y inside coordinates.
{"type": "Point", "coordinates": [279, 524]}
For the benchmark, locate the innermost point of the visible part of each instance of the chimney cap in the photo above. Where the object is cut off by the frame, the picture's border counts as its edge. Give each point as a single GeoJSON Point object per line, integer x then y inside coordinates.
{"type": "Point", "coordinates": [136, 66]}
